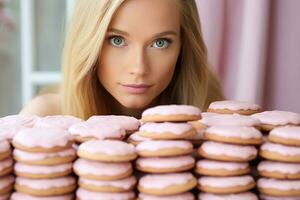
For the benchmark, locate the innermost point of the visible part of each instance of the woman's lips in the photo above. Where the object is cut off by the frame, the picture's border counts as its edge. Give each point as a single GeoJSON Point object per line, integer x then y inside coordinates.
{"type": "Point", "coordinates": [136, 88]}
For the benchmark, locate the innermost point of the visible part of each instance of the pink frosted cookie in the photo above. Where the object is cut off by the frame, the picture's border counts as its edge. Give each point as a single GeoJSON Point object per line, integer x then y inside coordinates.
{"type": "Point", "coordinates": [167, 130]}
{"type": "Point", "coordinates": [166, 164]}
{"type": "Point", "coordinates": [278, 152]}
{"type": "Point", "coordinates": [122, 185]}
{"type": "Point", "coordinates": [5, 149]}
{"type": "Point", "coordinates": [23, 196]}
{"type": "Point", "coordinates": [107, 151]}
{"type": "Point", "coordinates": [52, 158]}
{"type": "Point", "coordinates": [167, 184]}
{"type": "Point", "coordinates": [46, 187]}
{"type": "Point", "coordinates": [130, 124]}
{"type": "Point", "coordinates": [6, 184]}
{"type": "Point", "coordinates": [219, 168]}
{"type": "Point", "coordinates": [171, 113]}
{"type": "Point", "coordinates": [225, 185]}
{"type": "Point", "coordinates": [275, 118]}
{"type": "Point", "coordinates": [227, 152]}
{"type": "Point", "coordinates": [42, 171]}
{"type": "Point", "coordinates": [279, 170]}
{"type": "Point", "coordinates": [286, 135]}
{"type": "Point", "coordinates": [230, 107]}
{"type": "Point", "coordinates": [7, 132]}
{"type": "Point", "coordinates": [136, 138]}
{"type": "Point", "coordinates": [162, 148]}
{"type": "Point", "coordinates": [239, 196]}
{"type": "Point", "coordinates": [268, 197]}
{"type": "Point", "coordinates": [182, 196]}
{"type": "Point", "coordinates": [6, 166]}
{"type": "Point", "coordinates": [83, 194]}
{"type": "Point", "coordinates": [86, 131]}
{"type": "Point", "coordinates": [234, 134]}
{"type": "Point", "coordinates": [102, 171]}
{"type": "Point", "coordinates": [19, 120]}
{"type": "Point", "coordinates": [42, 140]}
{"type": "Point", "coordinates": [57, 121]}
{"type": "Point", "coordinates": [278, 187]}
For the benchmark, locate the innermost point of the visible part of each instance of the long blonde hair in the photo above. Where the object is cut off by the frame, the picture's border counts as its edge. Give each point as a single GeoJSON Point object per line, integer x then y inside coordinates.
{"type": "Point", "coordinates": [83, 95]}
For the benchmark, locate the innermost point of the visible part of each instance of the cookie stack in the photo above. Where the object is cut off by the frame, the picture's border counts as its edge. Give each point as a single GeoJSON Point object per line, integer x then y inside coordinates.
{"type": "Point", "coordinates": [6, 168]}
{"type": "Point", "coordinates": [105, 170]}
{"type": "Point", "coordinates": [281, 170]}
{"type": "Point", "coordinates": [166, 158]}
{"type": "Point", "coordinates": [43, 163]}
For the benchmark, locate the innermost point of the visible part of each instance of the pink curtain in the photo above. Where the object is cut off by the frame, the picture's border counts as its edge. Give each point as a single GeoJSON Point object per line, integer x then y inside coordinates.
{"type": "Point", "coordinates": [254, 46]}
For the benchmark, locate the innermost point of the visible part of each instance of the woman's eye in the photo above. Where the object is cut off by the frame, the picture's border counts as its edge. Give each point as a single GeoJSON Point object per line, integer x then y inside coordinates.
{"type": "Point", "coordinates": [116, 41]}
{"type": "Point", "coordinates": [162, 43]}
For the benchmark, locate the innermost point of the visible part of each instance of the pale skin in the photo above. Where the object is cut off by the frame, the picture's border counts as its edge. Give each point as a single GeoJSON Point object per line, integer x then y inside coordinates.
{"type": "Point", "coordinates": [137, 61]}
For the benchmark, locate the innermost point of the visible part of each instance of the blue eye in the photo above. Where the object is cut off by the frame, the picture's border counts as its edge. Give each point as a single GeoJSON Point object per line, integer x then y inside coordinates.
{"type": "Point", "coordinates": [116, 41]}
{"type": "Point", "coordinates": [162, 43]}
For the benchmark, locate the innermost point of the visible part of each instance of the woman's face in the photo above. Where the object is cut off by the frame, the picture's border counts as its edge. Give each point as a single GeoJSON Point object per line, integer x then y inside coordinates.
{"type": "Point", "coordinates": [139, 54]}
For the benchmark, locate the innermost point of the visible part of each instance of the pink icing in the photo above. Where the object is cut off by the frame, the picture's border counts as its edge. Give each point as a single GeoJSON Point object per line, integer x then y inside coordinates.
{"type": "Point", "coordinates": [230, 120]}
{"type": "Point", "coordinates": [228, 149]}
{"type": "Point", "coordinates": [42, 169]}
{"type": "Point", "coordinates": [110, 147]}
{"type": "Point", "coordinates": [225, 182]}
{"type": "Point", "coordinates": [23, 196]}
{"type": "Point", "coordinates": [288, 132]}
{"type": "Point", "coordinates": [232, 166]}
{"type": "Point", "coordinates": [155, 145]}
{"type": "Point", "coordinates": [276, 117]}
{"type": "Point", "coordinates": [44, 184]}
{"type": "Point", "coordinates": [100, 168]}
{"type": "Point", "coordinates": [244, 132]}
{"type": "Point", "coordinates": [43, 137]}
{"type": "Point", "coordinates": [41, 156]}
{"type": "Point", "coordinates": [138, 138]}
{"type": "Point", "coordinates": [183, 196]}
{"type": "Point", "coordinates": [240, 196]}
{"type": "Point", "coordinates": [5, 163]}
{"type": "Point", "coordinates": [281, 149]}
{"type": "Point", "coordinates": [57, 121]}
{"type": "Point", "coordinates": [161, 181]}
{"type": "Point", "coordinates": [167, 162]}
{"type": "Point", "coordinates": [172, 110]}
{"type": "Point", "coordinates": [234, 105]}
{"type": "Point", "coordinates": [19, 120]}
{"type": "Point", "coordinates": [175, 128]}
{"type": "Point", "coordinates": [270, 166]}
{"type": "Point", "coordinates": [6, 181]}
{"type": "Point", "coordinates": [4, 146]}
{"type": "Point", "coordinates": [284, 185]}
{"type": "Point", "coordinates": [126, 183]}
{"type": "Point", "coordinates": [267, 197]}
{"type": "Point", "coordinates": [89, 195]}
{"type": "Point", "coordinates": [126, 122]}
{"type": "Point", "coordinates": [97, 130]}
{"type": "Point", "coordinates": [7, 132]}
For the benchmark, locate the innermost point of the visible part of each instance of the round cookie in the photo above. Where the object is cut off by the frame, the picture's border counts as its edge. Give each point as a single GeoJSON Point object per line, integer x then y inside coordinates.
{"type": "Point", "coordinates": [46, 187]}
{"type": "Point", "coordinates": [279, 170]}
{"type": "Point", "coordinates": [136, 138]}
{"type": "Point", "coordinates": [83, 194]}
{"type": "Point", "coordinates": [171, 113]}
{"type": "Point", "coordinates": [6, 166]}
{"type": "Point", "coordinates": [5, 149]}
{"type": "Point", "coordinates": [164, 148]}
{"type": "Point", "coordinates": [225, 185]}
{"type": "Point", "coordinates": [278, 152]}
{"type": "Point", "coordinates": [183, 196]}
{"type": "Point", "coordinates": [231, 107]}
{"type": "Point", "coordinates": [239, 196]}
{"type": "Point", "coordinates": [6, 184]}
{"type": "Point", "coordinates": [227, 152]}
{"type": "Point", "coordinates": [107, 151]}
{"type": "Point", "coordinates": [218, 168]}
{"type": "Point", "coordinates": [19, 120]}
{"type": "Point", "coordinates": [244, 135]}
{"type": "Point", "coordinates": [23, 196]}
{"type": "Point", "coordinates": [287, 135]}
{"type": "Point", "coordinates": [42, 140]}
{"type": "Point", "coordinates": [52, 158]}
{"type": "Point", "coordinates": [57, 121]}
{"type": "Point", "coordinates": [277, 187]}
{"type": "Point", "coordinates": [7, 132]}
{"type": "Point", "coordinates": [167, 184]}
{"type": "Point", "coordinates": [268, 197]}
{"type": "Point", "coordinates": [85, 131]}
{"type": "Point", "coordinates": [42, 171]}
{"type": "Point", "coordinates": [165, 164]}
{"type": "Point", "coordinates": [102, 171]}
{"type": "Point", "coordinates": [275, 118]}
{"type": "Point", "coordinates": [122, 185]}
{"type": "Point", "coordinates": [167, 130]}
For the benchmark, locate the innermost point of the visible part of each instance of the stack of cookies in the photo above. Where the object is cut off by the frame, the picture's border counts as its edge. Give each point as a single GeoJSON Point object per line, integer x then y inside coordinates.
{"type": "Point", "coordinates": [6, 168]}
{"type": "Point", "coordinates": [166, 158]}
{"type": "Point", "coordinates": [105, 170]}
{"type": "Point", "coordinates": [43, 163]}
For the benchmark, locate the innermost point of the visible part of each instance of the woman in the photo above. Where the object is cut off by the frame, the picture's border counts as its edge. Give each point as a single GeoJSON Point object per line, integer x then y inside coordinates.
{"type": "Point", "coordinates": [123, 56]}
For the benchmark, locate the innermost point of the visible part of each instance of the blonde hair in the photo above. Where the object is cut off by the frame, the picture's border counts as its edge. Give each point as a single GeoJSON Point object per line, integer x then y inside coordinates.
{"type": "Point", "coordinates": [83, 95]}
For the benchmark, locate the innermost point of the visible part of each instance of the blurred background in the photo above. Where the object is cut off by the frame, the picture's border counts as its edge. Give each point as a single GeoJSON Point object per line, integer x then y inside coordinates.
{"type": "Point", "coordinates": [253, 45]}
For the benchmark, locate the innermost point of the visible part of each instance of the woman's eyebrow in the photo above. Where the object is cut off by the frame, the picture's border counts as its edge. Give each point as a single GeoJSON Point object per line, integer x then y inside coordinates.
{"type": "Point", "coordinates": [170, 32]}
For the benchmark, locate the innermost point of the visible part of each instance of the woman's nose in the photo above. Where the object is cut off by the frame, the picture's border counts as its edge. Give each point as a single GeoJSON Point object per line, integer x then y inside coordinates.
{"type": "Point", "coordinates": [138, 62]}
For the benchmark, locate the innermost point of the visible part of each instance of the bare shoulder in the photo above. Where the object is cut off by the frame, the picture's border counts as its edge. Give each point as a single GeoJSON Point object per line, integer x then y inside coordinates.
{"type": "Point", "coordinates": [43, 105]}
